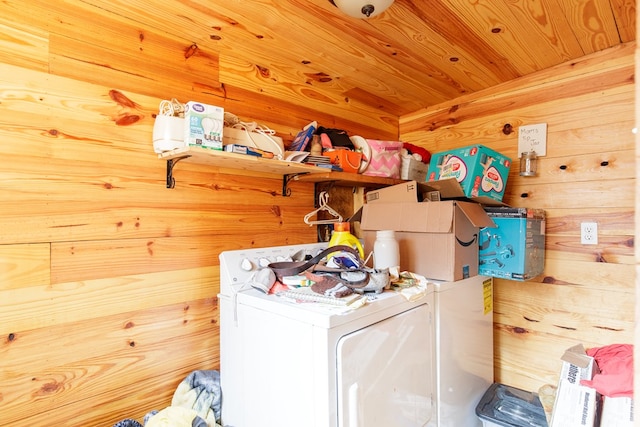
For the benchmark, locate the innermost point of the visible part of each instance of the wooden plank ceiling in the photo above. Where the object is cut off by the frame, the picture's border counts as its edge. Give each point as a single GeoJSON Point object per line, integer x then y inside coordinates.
{"type": "Point", "coordinates": [416, 54]}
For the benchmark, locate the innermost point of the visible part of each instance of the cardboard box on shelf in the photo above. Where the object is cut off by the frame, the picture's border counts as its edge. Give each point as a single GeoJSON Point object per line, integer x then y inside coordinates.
{"type": "Point", "coordinates": [412, 191]}
{"type": "Point", "coordinates": [413, 169]}
{"type": "Point", "coordinates": [409, 191]}
{"type": "Point", "coordinates": [513, 250]}
{"type": "Point", "coordinates": [437, 239]}
{"type": "Point", "coordinates": [481, 172]}
{"type": "Point", "coordinates": [576, 405]}
{"type": "Point", "coordinates": [203, 125]}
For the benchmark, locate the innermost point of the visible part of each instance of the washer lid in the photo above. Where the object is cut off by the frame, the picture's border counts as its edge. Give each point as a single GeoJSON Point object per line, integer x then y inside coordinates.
{"type": "Point", "coordinates": [378, 307]}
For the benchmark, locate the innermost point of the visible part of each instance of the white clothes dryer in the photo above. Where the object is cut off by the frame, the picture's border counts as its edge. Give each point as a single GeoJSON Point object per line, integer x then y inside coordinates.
{"type": "Point", "coordinates": [285, 364]}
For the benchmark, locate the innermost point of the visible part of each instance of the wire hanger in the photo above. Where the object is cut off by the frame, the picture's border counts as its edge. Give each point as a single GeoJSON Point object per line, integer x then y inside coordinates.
{"type": "Point", "coordinates": [323, 200]}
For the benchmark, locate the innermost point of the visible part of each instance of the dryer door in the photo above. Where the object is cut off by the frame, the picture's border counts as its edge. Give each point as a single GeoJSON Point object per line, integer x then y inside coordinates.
{"type": "Point", "coordinates": [385, 372]}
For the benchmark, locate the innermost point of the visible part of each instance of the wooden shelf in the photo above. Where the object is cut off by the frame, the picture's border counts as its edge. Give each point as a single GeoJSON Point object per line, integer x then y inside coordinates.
{"type": "Point", "coordinates": [224, 159]}
{"type": "Point", "coordinates": [345, 179]}
{"type": "Point", "coordinates": [290, 171]}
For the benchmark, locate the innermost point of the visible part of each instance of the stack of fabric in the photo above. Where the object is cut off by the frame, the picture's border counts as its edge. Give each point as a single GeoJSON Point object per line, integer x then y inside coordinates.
{"type": "Point", "coordinates": [196, 403]}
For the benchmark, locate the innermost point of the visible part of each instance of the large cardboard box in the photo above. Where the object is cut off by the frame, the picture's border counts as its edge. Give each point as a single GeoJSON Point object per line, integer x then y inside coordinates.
{"type": "Point", "coordinates": [513, 250]}
{"type": "Point", "coordinates": [438, 240]}
{"type": "Point", "coordinates": [576, 405]}
{"type": "Point", "coordinates": [481, 172]}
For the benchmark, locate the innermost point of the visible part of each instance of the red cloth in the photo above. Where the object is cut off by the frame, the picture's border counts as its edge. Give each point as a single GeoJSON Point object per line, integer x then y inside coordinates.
{"type": "Point", "coordinates": [616, 370]}
{"type": "Point", "coordinates": [414, 149]}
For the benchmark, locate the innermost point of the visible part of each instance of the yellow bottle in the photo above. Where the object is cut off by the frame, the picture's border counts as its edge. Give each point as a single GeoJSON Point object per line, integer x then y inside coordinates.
{"type": "Point", "coordinates": [342, 236]}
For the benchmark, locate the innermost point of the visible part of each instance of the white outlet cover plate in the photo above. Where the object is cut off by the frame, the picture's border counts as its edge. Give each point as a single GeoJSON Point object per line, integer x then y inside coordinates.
{"type": "Point", "coordinates": [589, 233]}
{"type": "Point", "coordinates": [533, 138]}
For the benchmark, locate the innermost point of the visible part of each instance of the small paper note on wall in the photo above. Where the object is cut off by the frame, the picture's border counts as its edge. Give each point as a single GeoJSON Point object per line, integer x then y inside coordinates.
{"type": "Point", "coordinates": [533, 138]}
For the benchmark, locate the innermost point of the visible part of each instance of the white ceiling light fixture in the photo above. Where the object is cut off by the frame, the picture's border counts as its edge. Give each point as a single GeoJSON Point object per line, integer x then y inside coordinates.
{"type": "Point", "coordinates": [362, 8]}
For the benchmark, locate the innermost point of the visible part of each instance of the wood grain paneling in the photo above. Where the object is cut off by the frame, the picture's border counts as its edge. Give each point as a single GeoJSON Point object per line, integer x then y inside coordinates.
{"type": "Point", "coordinates": [143, 355]}
{"type": "Point", "coordinates": [24, 265]}
{"type": "Point", "coordinates": [109, 280]}
{"type": "Point", "coordinates": [586, 293]}
{"type": "Point", "coordinates": [414, 55]}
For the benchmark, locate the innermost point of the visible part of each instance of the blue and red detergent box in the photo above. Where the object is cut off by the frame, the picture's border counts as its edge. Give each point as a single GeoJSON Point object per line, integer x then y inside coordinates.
{"type": "Point", "coordinates": [515, 249]}
{"type": "Point", "coordinates": [481, 172]}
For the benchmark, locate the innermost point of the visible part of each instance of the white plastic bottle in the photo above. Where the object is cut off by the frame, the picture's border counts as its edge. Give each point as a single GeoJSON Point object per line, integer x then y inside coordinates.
{"type": "Point", "coordinates": [386, 252]}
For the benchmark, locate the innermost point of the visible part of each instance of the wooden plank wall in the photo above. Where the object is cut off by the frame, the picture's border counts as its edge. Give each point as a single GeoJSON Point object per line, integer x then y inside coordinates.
{"type": "Point", "coordinates": [586, 293]}
{"type": "Point", "coordinates": [108, 280]}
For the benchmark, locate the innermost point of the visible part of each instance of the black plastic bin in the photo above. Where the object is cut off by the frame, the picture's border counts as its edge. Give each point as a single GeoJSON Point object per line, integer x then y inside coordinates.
{"type": "Point", "coordinates": [506, 406]}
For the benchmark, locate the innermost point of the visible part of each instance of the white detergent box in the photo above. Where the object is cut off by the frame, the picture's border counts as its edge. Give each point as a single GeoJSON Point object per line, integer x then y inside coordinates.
{"type": "Point", "coordinates": [576, 405]}
{"type": "Point", "coordinates": [203, 125]}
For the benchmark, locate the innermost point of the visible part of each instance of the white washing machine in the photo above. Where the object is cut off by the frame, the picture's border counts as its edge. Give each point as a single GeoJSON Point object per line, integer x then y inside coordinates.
{"type": "Point", "coordinates": [464, 349]}
{"type": "Point", "coordinates": [285, 364]}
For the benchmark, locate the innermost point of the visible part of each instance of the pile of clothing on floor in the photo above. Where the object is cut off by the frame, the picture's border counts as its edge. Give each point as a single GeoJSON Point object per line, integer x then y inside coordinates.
{"type": "Point", "coordinates": [196, 403]}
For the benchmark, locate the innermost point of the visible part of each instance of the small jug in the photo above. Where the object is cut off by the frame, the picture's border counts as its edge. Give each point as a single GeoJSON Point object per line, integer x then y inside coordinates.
{"type": "Point", "coordinates": [342, 236]}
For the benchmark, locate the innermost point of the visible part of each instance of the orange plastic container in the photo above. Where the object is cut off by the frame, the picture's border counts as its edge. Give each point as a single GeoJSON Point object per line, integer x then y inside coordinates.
{"type": "Point", "coordinates": [348, 160]}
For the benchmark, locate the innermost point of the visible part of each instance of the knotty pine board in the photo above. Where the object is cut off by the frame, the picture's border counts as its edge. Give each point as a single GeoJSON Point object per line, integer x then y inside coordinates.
{"type": "Point", "coordinates": [535, 321]}
{"type": "Point", "coordinates": [95, 259]}
{"type": "Point", "coordinates": [143, 356]}
{"type": "Point", "coordinates": [24, 265]}
{"type": "Point", "coordinates": [599, 193]}
{"type": "Point", "coordinates": [154, 62]}
{"type": "Point", "coordinates": [411, 44]}
{"type": "Point", "coordinates": [74, 301]}
{"type": "Point", "coordinates": [565, 80]}
{"type": "Point", "coordinates": [81, 176]}
{"type": "Point", "coordinates": [84, 162]}
{"type": "Point", "coordinates": [586, 293]}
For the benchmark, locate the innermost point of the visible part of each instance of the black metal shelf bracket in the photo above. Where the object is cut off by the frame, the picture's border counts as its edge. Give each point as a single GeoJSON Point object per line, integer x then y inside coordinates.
{"type": "Point", "coordinates": [286, 179]}
{"type": "Point", "coordinates": [171, 182]}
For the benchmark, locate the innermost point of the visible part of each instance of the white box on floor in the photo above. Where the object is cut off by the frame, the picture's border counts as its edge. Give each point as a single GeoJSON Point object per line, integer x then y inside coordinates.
{"type": "Point", "coordinates": [617, 412]}
{"type": "Point", "coordinates": [576, 405]}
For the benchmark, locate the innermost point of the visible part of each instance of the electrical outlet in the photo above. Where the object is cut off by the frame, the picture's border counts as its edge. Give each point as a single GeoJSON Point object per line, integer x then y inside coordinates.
{"type": "Point", "coordinates": [589, 233]}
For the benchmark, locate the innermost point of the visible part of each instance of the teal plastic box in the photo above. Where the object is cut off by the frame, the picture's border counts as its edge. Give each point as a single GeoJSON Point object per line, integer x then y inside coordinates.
{"type": "Point", "coordinates": [515, 249]}
{"type": "Point", "coordinates": [481, 172]}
